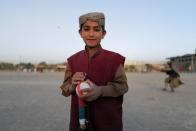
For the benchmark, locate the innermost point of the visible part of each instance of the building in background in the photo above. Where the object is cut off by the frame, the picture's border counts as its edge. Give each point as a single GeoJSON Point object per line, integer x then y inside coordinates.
{"type": "Point", "coordinates": [141, 66]}
{"type": "Point", "coordinates": [184, 63]}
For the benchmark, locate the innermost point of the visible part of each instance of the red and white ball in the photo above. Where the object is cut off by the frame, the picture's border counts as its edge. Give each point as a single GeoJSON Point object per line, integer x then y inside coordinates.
{"type": "Point", "coordinates": [80, 87]}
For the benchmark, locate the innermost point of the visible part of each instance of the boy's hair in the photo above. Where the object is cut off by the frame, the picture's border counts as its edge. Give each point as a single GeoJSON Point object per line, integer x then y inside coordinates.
{"type": "Point", "coordinates": [95, 16]}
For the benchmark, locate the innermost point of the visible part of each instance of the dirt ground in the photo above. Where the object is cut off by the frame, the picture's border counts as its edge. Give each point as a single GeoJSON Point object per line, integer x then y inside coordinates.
{"type": "Point", "coordinates": [33, 102]}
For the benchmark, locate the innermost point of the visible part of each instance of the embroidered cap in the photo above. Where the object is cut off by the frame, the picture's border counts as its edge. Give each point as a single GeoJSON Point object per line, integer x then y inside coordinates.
{"type": "Point", "coordinates": [95, 16]}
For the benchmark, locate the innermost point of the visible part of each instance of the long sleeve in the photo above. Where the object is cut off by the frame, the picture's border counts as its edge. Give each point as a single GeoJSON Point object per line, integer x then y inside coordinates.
{"type": "Point", "coordinates": [118, 86]}
{"type": "Point", "coordinates": [66, 86]}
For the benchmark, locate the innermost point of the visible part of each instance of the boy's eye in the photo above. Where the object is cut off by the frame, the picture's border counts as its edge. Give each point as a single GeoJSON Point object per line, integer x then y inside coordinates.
{"type": "Point", "coordinates": [97, 29]}
{"type": "Point", "coordinates": [94, 29]}
{"type": "Point", "coordinates": [86, 29]}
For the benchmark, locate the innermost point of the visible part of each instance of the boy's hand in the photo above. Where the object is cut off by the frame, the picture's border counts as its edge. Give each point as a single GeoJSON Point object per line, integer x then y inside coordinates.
{"type": "Point", "coordinates": [92, 93]}
{"type": "Point", "coordinates": [78, 77]}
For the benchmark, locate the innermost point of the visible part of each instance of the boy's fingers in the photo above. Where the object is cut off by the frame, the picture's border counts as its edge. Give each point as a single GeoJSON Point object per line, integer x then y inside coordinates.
{"type": "Point", "coordinates": [76, 82]}
{"type": "Point", "coordinates": [78, 77]}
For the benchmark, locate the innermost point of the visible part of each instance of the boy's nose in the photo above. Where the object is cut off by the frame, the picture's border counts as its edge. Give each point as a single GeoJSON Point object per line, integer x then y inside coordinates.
{"type": "Point", "coordinates": [91, 33]}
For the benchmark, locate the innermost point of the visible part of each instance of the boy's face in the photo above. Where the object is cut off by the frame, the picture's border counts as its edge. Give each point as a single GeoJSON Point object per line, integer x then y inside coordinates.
{"type": "Point", "coordinates": [92, 33]}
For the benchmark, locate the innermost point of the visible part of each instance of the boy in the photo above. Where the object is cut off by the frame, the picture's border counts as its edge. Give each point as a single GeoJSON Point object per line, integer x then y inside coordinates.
{"type": "Point", "coordinates": [173, 79]}
{"type": "Point", "coordinates": [104, 71]}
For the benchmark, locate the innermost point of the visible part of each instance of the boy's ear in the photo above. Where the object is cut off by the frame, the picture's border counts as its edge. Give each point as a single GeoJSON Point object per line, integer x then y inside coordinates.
{"type": "Point", "coordinates": [80, 33]}
{"type": "Point", "coordinates": [104, 33]}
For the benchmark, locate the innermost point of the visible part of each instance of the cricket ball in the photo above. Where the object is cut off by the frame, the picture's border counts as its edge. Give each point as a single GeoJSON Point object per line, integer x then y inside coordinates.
{"type": "Point", "coordinates": [82, 86]}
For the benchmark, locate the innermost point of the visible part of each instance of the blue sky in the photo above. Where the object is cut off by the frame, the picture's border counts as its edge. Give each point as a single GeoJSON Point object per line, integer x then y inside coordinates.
{"type": "Point", "coordinates": [142, 30]}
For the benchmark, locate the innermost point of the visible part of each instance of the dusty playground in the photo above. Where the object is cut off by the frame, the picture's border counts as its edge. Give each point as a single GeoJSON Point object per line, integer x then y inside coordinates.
{"type": "Point", "coordinates": [32, 102]}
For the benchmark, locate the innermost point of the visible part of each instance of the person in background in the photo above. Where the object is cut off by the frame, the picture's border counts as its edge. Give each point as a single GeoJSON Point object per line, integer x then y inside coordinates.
{"type": "Point", "coordinates": [173, 79]}
{"type": "Point", "coordinates": [104, 71]}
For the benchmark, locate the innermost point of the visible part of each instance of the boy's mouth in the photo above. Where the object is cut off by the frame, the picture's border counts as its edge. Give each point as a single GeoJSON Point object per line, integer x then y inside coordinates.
{"type": "Point", "coordinates": [91, 40]}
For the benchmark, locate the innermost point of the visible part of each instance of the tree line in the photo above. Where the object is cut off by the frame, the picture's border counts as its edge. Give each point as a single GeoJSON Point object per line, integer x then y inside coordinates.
{"type": "Point", "coordinates": [28, 66]}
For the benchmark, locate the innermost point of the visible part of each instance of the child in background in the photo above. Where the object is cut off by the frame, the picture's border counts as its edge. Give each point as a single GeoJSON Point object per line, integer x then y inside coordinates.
{"type": "Point", "coordinates": [173, 79]}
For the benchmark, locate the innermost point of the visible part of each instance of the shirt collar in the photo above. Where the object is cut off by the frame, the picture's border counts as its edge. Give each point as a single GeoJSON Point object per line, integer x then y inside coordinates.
{"type": "Point", "coordinates": [97, 51]}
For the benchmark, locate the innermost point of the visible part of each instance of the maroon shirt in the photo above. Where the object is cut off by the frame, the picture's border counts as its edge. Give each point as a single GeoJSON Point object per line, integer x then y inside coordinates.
{"type": "Point", "coordinates": [105, 113]}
